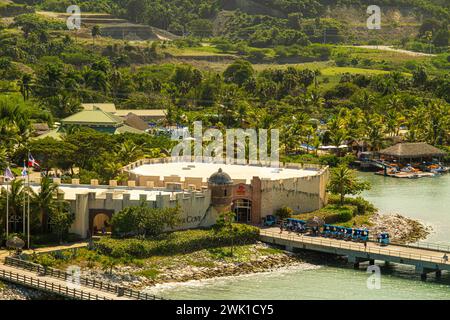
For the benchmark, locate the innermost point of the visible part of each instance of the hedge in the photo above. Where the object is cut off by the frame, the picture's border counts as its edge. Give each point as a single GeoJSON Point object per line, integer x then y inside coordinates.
{"type": "Point", "coordinates": [175, 242]}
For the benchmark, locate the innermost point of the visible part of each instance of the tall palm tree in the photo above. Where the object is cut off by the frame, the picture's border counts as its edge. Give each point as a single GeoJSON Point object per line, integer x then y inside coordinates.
{"type": "Point", "coordinates": [44, 200]}
{"type": "Point", "coordinates": [15, 203]}
{"type": "Point", "coordinates": [25, 86]}
{"type": "Point", "coordinates": [374, 132]}
{"type": "Point", "coordinates": [95, 32]}
{"type": "Point", "coordinates": [337, 138]}
{"type": "Point", "coordinates": [393, 121]}
{"type": "Point", "coordinates": [343, 181]}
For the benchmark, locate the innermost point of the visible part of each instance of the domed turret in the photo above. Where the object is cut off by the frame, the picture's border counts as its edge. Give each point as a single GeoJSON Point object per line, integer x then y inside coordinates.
{"type": "Point", "coordinates": [220, 178]}
{"type": "Point", "coordinates": [221, 186]}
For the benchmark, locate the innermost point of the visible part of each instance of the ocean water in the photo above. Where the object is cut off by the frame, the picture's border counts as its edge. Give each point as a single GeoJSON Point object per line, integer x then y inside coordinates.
{"type": "Point", "coordinates": [426, 199]}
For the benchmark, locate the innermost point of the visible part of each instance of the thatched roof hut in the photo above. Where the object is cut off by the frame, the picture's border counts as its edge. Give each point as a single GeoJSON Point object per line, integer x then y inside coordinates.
{"type": "Point", "coordinates": [412, 151]}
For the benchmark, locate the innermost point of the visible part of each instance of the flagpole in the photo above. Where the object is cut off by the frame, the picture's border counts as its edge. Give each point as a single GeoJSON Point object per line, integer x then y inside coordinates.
{"type": "Point", "coordinates": [28, 193]}
{"type": "Point", "coordinates": [7, 209]}
{"type": "Point", "coordinates": [24, 210]}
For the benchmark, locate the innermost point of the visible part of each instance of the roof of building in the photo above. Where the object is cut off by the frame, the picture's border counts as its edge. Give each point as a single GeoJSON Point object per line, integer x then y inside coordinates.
{"type": "Point", "coordinates": [220, 178]}
{"type": "Point", "coordinates": [142, 112]}
{"type": "Point", "coordinates": [204, 170]}
{"type": "Point", "coordinates": [107, 107]}
{"type": "Point", "coordinates": [412, 150]}
{"type": "Point", "coordinates": [136, 122]}
{"type": "Point", "coordinates": [95, 117]}
{"type": "Point", "coordinates": [55, 134]}
{"type": "Point", "coordinates": [124, 128]}
{"type": "Point", "coordinates": [40, 126]}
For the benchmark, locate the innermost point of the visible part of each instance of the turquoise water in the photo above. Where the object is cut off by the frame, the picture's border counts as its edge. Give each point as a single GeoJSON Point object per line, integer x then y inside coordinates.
{"type": "Point", "coordinates": [426, 199]}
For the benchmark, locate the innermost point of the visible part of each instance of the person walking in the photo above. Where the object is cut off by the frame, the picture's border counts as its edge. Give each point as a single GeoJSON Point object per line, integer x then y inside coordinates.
{"type": "Point", "coordinates": [445, 257]}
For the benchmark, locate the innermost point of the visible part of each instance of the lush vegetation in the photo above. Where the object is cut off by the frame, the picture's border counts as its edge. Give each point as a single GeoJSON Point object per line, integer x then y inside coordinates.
{"type": "Point", "coordinates": [176, 242]}
{"type": "Point", "coordinates": [50, 217]}
{"type": "Point", "coordinates": [276, 70]}
{"type": "Point", "coordinates": [354, 212]}
{"type": "Point", "coordinates": [143, 221]}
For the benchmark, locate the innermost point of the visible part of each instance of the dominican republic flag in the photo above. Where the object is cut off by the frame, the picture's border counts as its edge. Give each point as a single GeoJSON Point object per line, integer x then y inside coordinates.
{"type": "Point", "coordinates": [32, 162]}
{"type": "Point", "coordinates": [8, 174]}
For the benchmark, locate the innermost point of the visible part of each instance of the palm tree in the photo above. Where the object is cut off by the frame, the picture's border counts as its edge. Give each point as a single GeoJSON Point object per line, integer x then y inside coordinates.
{"type": "Point", "coordinates": [24, 85]}
{"type": "Point", "coordinates": [374, 132]}
{"type": "Point", "coordinates": [337, 139]}
{"type": "Point", "coordinates": [438, 121]}
{"type": "Point", "coordinates": [343, 181]}
{"type": "Point", "coordinates": [44, 200]}
{"type": "Point", "coordinates": [95, 32]}
{"type": "Point", "coordinates": [15, 202]}
{"type": "Point", "coordinates": [393, 121]}
{"type": "Point", "coordinates": [129, 151]}
{"type": "Point", "coordinates": [3, 158]}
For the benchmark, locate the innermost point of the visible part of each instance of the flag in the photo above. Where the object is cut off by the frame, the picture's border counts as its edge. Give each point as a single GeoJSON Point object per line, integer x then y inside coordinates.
{"type": "Point", "coordinates": [8, 174]}
{"type": "Point", "coordinates": [24, 171]}
{"type": "Point", "coordinates": [32, 162]}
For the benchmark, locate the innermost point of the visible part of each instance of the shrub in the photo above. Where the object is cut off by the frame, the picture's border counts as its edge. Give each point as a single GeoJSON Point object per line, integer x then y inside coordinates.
{"type": "Point", "coordinates": [329, 159]}
{"type": "Point", "coordinates": [284, 212]}
{"type": "Point", "coordinates": [345, 213]}
{"type": "Point", "coordinates": [362, 205]}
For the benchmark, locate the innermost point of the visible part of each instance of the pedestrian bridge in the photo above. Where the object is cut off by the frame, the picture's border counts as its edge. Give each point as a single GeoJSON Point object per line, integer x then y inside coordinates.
{"type": "Point", "coordinates": [425, 259]}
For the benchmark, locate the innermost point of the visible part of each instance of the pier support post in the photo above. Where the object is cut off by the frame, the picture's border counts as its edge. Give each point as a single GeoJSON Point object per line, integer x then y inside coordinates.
{"type": "Point", "coordinates": [356, 265]}
{"type": "Point", "coordinates": [438, 274]}
{"type": "Point", "coordinates": [371, 262]}
{"type": "Point", "coordinates": [423, 276]}
{"type": "Point", "coordinates": [289, 248]}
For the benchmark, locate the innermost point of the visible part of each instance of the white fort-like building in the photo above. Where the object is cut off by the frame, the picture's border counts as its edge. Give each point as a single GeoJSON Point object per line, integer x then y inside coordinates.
{"type": "Point", "coordinates": [202, 190]}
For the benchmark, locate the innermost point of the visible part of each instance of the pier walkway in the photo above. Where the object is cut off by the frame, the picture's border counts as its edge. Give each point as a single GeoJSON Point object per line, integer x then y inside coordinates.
{"type": "Point", "coordinates": [54, 285]}
{"type": "Point", "coordinates": [424, 259]}
{"type": "Point", "coordinates": [65, 284]}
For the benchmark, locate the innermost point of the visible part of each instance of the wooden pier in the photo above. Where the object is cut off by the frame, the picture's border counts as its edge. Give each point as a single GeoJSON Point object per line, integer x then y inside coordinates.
{"type": "Point", "coordinates": [425, 260]}
{"type": "Point", "coordinates": [60, 283]}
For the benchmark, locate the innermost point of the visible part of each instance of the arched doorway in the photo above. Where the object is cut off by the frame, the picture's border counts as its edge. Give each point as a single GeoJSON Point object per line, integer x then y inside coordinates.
{"type": "Point", "coordinates": [243, 210]}
{"type": "Point", "coordinates": [99, 221]}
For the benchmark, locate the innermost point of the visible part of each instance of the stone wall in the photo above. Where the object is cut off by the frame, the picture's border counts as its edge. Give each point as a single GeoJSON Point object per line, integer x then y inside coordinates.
{"type": "Point", "coordinates": [195, 207]}
{"type": "Point", "coordinates": [303, 194]}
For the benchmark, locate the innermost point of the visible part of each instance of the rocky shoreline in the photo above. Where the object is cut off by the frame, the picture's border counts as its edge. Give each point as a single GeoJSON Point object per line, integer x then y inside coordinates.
{"type": "Point", "coordinates": [10, 291]}
{"type": "Point", "coordinates": [129, 276]}
{"type": "Point", "coordinates": [401, 229]}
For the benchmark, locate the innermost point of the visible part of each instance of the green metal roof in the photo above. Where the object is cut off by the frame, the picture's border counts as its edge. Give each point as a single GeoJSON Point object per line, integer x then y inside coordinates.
{"type": "Point", "coordinates": [125, 128]}
{"type": "Point", "coordinates": [55, 134]}
{"type": "Point", "coordinates": [93, 117]}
